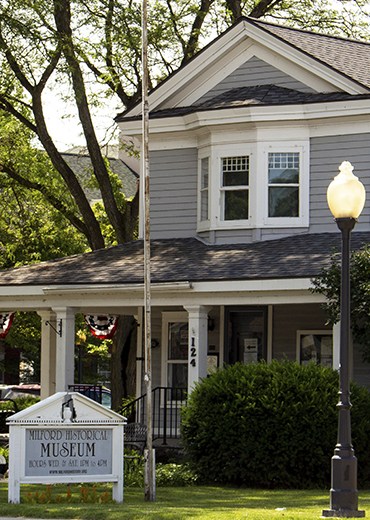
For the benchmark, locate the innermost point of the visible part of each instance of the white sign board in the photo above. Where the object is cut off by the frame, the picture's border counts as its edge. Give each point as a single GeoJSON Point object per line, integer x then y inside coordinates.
{"type": "Point", "coordinates": [65, 438]}
{"type": "Point", "coordinates": [250, 354]}
{"type": "Point", "coordinates": [60, 451]}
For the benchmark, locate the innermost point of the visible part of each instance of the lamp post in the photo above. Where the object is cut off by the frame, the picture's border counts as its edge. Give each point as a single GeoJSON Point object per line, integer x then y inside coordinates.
{"type": "Point", "coordinates": [346, 199]}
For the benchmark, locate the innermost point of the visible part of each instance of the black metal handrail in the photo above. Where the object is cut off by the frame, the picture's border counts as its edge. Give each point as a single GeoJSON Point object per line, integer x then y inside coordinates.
{"type": "Point", "coordinates": [166, 411]}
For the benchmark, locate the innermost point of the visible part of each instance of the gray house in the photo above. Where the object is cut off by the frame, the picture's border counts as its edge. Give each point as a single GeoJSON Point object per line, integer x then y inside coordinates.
{"type": "Point", "coordinates": [244, 141]}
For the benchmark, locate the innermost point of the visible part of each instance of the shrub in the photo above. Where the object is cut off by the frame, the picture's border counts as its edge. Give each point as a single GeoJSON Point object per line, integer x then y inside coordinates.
{"type": "Point", "coordinates": [271, 425]}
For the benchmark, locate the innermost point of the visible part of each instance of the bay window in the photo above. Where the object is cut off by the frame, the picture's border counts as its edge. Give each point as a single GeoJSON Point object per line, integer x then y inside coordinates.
{"type": "Point", "coordinates": [253, 185]}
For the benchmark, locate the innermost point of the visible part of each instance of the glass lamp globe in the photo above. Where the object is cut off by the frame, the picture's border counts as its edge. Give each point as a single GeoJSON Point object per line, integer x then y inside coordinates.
{"type": "Point", "coordinates": [346, 194]}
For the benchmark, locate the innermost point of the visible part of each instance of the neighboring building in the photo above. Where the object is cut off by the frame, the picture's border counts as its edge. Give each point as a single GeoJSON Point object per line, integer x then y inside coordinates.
{"type": "Point", "coordinates": [81, 164]}
{"type": "Point", "coordinates": [244, 141]}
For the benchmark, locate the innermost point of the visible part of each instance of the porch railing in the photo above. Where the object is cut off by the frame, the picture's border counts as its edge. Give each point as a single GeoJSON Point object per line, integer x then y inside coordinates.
{"type": "Point", "coordinates": [166, 412]}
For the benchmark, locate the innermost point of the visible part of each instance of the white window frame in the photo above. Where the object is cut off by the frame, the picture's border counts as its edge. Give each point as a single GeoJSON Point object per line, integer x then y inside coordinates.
{"type": "Point", "coordinates": [302, 220]}
{"type": "Point", "coordinates": [204, 224]}
{"type": "Point", "coordinates": [258, 185]}
{"type": "Point", "coordinates": [308, 332]}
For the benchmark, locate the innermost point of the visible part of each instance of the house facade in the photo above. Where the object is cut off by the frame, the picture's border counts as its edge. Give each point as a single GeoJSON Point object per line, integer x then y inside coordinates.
{"type": "Point", "coordinates": [244, 141]}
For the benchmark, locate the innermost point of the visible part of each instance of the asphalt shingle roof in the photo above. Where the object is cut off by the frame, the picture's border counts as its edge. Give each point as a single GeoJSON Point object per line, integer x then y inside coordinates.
{"type": "Point", "coordinates": [350, 57]}
{"type": "Point", "coordinates": [299, 256]}
{"type": "Point", "coordinates": [263, 95]}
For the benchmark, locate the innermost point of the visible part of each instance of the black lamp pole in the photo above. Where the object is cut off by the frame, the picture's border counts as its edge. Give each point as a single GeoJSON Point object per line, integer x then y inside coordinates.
{"type": "Point", "coordinates": [343, 493]}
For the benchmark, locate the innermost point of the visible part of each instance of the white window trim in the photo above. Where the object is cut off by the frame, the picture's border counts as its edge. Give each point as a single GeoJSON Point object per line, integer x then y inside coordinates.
{"type": "Point", "coordinates": [322, 332]}
{"type": "Point", "coordinates": [258, 185]}
{"type": "Point", "coordinates": [303, 219]}
{"type": "Point", "coordinates": [169, 317]}
{"type": "Point", "coordinates": [203, 225]}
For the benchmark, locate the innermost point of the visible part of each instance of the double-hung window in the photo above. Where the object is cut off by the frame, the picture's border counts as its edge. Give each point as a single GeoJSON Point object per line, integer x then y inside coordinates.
{"type": "Point", "coordinates": [235, 187]}
{"type": "Point", "coordinates": [204, 189]}
{"type": "Point", "coordinates": [283, 184]}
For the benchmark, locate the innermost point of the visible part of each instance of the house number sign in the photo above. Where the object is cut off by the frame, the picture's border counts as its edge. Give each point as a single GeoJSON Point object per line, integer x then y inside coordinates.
{"type": "Point", "coordinates": [193, 352]}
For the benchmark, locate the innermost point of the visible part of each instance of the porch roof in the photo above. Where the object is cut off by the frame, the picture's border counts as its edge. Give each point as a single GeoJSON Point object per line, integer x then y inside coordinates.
{"type": "Point", "coordinates": [189, 259]}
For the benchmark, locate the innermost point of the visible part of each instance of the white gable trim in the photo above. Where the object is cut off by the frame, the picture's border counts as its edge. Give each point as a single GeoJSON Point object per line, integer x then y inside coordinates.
{"type": "Point", "coordinates": [188, 82]}
{"type": "Point", "coordinates": [228, 63]}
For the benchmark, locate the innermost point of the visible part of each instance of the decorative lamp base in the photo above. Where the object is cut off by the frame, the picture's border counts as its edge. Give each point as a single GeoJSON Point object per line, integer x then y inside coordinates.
{"type": "Point", "coordinates": [343, 513]}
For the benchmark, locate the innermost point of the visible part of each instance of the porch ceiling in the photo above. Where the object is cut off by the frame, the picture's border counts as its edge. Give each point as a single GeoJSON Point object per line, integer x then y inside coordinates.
{"type": "Point", "coordinates": [299, 256]}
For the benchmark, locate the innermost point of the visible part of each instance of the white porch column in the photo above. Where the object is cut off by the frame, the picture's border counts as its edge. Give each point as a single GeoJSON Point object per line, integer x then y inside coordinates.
{"type": "Point", "coordinates": [48, 354]}
{"type": "Point", "coordinates": [198, 343]}
{"type": "Point", "coordinates": [65, 347]}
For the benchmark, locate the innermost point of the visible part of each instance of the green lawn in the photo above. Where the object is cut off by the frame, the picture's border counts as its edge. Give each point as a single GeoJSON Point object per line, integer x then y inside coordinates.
{"type": "Point", "coordinates": [198, 502]}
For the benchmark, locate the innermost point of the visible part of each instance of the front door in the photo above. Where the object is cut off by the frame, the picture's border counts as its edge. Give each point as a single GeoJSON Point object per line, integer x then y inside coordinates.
{"type": "Point", "coordinates": [175, 349]}
{"type": "Point", "coordinates": [245, 334]}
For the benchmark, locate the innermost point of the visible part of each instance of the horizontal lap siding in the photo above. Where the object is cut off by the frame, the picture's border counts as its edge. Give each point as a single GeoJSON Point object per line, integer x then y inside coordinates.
{"type": "Point", "coordinates": [173, 192]}
{"type": "Point", "coordinates": [288, 319]}
{"type": "Point", "coordinates": [326, 154]}
{"type": "Point", "coordinates": [255, 72]}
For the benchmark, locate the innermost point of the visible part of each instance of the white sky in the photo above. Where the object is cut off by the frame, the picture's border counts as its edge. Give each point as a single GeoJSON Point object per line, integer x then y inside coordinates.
{"type": "Point", "coordinates": [63, 123]}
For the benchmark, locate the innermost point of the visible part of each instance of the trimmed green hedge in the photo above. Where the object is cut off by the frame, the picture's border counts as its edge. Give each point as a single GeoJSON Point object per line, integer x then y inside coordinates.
{"type": "Point", "coordinates": [271, 425]}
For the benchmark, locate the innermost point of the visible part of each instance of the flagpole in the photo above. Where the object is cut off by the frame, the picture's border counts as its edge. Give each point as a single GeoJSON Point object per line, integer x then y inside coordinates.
{"type": "Point", "coordinates": [149, 483]}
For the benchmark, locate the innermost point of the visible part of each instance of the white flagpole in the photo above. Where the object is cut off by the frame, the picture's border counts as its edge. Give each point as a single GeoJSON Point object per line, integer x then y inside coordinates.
{"type": "Point", "coordinates": [149, 483]}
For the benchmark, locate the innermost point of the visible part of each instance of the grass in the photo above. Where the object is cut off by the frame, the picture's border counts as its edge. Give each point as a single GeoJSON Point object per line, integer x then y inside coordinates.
{"type": "Point", "coordinates": [181, 503]}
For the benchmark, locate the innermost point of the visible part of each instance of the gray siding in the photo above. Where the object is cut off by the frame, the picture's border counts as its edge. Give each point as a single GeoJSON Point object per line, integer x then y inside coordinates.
{"type": "Point", "coordinates": [361, 369]}
{"type": "Point", "coordinates": [255, 72]}
{"type": "Point", "coordinates": [326, 155]}
{"type": "Point", "coordinates": [287, 319]}
{"type": "Point", "coordinates": [173, 188]}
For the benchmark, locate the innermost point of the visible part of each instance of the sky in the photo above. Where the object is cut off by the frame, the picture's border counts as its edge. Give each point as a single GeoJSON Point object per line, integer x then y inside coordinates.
{"type": "Point", "coordinates": [63, 123]}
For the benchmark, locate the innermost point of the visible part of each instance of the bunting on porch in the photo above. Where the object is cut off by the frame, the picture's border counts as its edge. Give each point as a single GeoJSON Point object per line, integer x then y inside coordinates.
{"type": "Point", "coordinates": [102, 326]}
{"type": "Point", "coordinates": [6, 321]}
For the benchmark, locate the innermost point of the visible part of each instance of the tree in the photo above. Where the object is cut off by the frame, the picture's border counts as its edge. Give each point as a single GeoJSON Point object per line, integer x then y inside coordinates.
{"type": "Point", "coordinates": [73, 45]}
{"type": "Point", "coordinates": [328, 283]}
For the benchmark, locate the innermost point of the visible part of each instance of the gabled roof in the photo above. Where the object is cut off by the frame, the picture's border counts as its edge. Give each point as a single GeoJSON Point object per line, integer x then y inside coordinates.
{"type": "Point", "coordinates": [299, 256]}
{"type": "Point", "coordinates": [344, 59]}
{"type": "Point", "coordinates": [350, 57]}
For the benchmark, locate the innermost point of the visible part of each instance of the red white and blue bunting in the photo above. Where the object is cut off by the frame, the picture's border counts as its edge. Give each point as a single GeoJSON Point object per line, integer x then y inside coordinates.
{"type": "Point", "coordinates": [6, 320]}
{"type": "Point", "coordinates": [102, 326]}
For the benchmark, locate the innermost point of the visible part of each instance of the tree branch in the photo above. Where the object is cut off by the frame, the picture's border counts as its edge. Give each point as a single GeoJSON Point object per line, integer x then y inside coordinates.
{"type": "Point", "coordinates": [48, 195]}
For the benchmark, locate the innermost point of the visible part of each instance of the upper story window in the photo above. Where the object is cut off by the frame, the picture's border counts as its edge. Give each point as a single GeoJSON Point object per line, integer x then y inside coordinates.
{"type": "Point", "coordinates": [204, 191]}
{"type": "Point", "coordinates": [283, 184]}
{"type": "Point", "coordinates": [235, 188]}
{"type": "Point", "coordinates": [253, 185]}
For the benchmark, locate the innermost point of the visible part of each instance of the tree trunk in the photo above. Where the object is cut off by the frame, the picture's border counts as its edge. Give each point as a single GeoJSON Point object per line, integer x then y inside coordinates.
{"type": "Point", "coordinates": [123, 380]}
{"type": "Point", "coordinates": [62, 17]}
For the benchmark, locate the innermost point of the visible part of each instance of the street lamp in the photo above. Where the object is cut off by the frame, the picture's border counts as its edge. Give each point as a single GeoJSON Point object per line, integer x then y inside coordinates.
{"type": "Point", "coordinates": [346, 199]}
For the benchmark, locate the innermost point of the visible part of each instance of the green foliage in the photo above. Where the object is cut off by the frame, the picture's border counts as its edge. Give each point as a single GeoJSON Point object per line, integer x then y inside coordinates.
{"type": "Point", "coordinates": [4, 452]}
{"type": "Point", "coordinates": [25, 402]}
{"type": "Point", "coordinates": [92, 354]}
{"type": "Point", "coordinates": [270, 425]}
{"type": "Point", "coordinates": [166, 474]}
{"type": "Point", "coordinates": [175, 475]}
{"type": "Point", "coordinates": [25, 335]}
{"type": "Point", "coordinates": [328, 283]}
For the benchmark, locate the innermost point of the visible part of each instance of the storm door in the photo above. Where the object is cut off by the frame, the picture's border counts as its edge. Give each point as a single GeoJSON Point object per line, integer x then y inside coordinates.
{"type": "Point", "coordinates": [175, 349]}
{"type": "Point", "coordinates": [245, 334]}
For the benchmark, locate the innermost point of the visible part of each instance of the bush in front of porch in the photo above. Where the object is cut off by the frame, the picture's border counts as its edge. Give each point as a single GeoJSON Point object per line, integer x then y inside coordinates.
{"type": "Point", "coordinates": [271, 425]}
